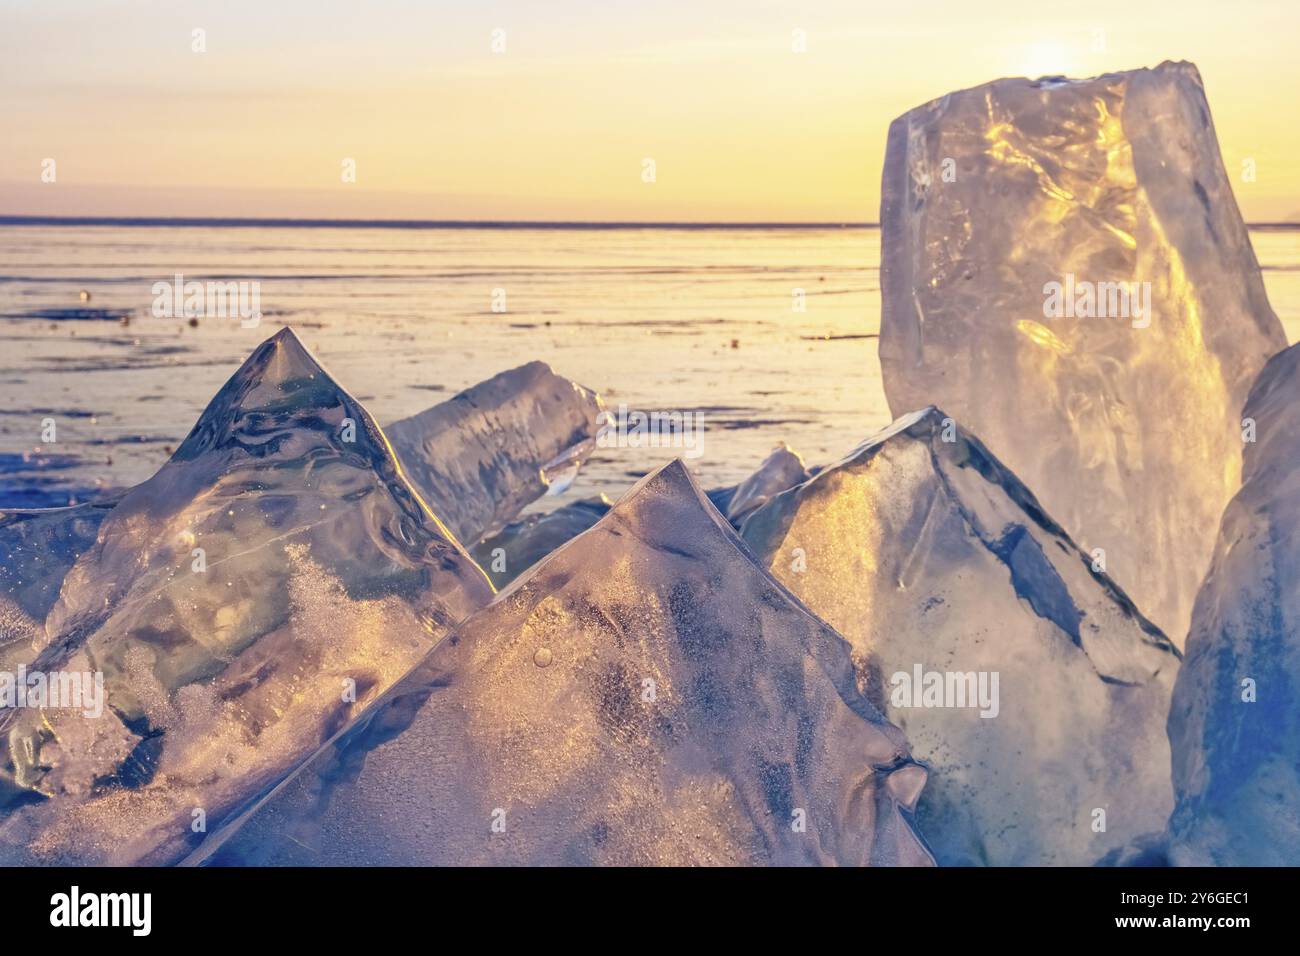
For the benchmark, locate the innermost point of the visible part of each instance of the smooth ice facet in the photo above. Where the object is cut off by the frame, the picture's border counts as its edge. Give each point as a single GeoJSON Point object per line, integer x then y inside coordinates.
{"type": "Point", "coordinates": [521, 544]}
{"type": "Point", "coordinates": [1235, 721]}
{"type": "Point", "coordinates": [927, 554]}
{"type": "Point", "coordinates": [781, 470]}
{"type": "Point", "coordinates": [1125, 425]}
{"type": "Point", "coordinates": [481, 457]}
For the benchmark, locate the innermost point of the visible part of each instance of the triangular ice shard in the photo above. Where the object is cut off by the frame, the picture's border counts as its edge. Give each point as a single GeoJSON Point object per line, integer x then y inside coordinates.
{"type": "Point", "coordinates": [525, 431]}
{"type": "Point", "coordinates": [1066, 273]}
{"type": "Point", "coordinates": [645, 695]}
{"type": "Point", "coordinates": [1026, 681]}
{"type": "Point", "coordinates": [271, 580]}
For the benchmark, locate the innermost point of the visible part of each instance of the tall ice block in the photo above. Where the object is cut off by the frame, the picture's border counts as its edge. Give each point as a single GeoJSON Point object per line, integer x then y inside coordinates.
{"type": "Point", "coordinates": [1066, 273]}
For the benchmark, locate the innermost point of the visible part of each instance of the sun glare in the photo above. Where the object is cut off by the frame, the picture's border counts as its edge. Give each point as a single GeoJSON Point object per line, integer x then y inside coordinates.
{"type": "Point", "coordinates": [1045, 58]}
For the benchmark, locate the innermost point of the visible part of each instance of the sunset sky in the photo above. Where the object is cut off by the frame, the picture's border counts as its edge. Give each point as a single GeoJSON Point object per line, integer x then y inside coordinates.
{"type": "Point", "coordinates": [740, 127]}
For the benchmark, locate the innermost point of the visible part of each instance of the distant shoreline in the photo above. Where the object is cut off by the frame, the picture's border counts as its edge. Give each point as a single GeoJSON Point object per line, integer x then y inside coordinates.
{"type": "Point", "coordinates": [289, 223]}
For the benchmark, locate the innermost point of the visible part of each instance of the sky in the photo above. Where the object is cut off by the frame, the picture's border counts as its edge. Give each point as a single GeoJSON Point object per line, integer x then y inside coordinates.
{"type": "Point", "coordinates": [558, 121]}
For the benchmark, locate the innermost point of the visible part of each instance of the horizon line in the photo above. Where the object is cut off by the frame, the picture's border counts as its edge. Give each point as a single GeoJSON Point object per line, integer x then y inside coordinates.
{"type": "Point", "coordinates": [296, 222]}
{"type": "Point", "coordinates": [293, 222]}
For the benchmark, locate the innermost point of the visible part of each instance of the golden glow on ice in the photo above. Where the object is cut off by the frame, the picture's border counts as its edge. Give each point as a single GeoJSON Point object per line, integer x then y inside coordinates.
{"type": "Point", "coordinates": [1042, 336]}
{"type": "Point", "coordinates": [1100, 326]}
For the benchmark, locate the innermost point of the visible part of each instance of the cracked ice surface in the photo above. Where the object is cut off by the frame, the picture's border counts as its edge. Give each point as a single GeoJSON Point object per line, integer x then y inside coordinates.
{"type": "Point", "coordinates": [480, 457]}
{"type": "Point", "coordinates": [923, 550]}
{"type": "Point", "coordinates": [647, 694]}
{"type": "Point", "coordinates": [319, 571]}
{"type": "Point", "coordinates": [1128, 436]}
{"type": "Point", "coordinates": [1236, 745]}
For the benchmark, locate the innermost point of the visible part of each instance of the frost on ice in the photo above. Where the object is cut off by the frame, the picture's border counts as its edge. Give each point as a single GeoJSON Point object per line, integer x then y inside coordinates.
{"type": "Point", "coordinates": [929, 555]}
{"type": "Point", "coordinates": [245, 603]}
{"type": "Point", "coordinates": [480, 457]}
{"type": "Point", "coordinates": [1018, 198]}
{"type": "Point", "coordinates": [647, 694]}
{"type": "Point", "coordinates": [1233, 725]}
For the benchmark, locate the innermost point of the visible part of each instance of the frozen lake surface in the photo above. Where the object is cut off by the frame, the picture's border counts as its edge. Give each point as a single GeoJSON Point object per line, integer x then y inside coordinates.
{"type": "Point", "coordinates": [665, 319]}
